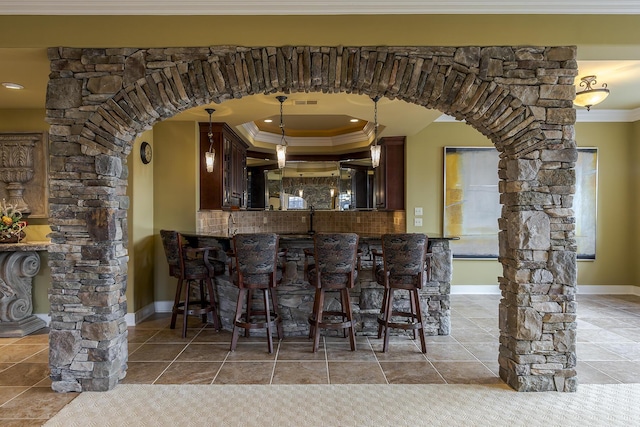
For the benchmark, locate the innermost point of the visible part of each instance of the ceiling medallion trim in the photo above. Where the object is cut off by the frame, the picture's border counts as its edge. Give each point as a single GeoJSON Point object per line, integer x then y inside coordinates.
{"type": "Point", "coordinates": [362, 136]}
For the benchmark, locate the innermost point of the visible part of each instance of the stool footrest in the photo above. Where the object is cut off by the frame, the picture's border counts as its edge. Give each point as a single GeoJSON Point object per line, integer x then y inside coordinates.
{"type": "Point", "coordinates": [333, 325]}
{"type": "Point", "coordinates": [245, 323]}
{"type": "Point", "coordinates": [208, 308]}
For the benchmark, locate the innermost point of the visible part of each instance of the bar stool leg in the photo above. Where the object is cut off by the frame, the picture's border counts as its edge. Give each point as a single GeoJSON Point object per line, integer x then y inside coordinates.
{"type": "Point", "coordinates": [212, 302]}
{"type": "Point", "coordinates": [383, 309]}
{"type": "Point", "coordinates": [412, 303]}
{"type": "Point", "coordinates": [176, 304]}
{"type": "Point", "coordinates": [203, 301]}
{"type": "Point", "coordinates": [247, 332]}
{"type": "Point", "coordinates": [344, 310]}
{"type": "Point", "coordinates": [316, 297]}
{"type": "Point", "coordinates": [185, 316]}
{"type": "Point", "coordinates": [349, 315]}
{"type": "Point", "coordinates": [387, 319]}
{"type": "Point", "coordinates": [418, 313]}
{"type": "Point", "coordinates": [237, 318]}
{"type": "Point", "coordinates": [274, 304]}
{"type": "Point", "coordinates": [267, 314]}
{"type": "Point", "coordinates": [318, 318]}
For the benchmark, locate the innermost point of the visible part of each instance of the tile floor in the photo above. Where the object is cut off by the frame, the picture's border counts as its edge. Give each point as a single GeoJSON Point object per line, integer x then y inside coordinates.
{"type": "Point", "coordinates": [608, 351]}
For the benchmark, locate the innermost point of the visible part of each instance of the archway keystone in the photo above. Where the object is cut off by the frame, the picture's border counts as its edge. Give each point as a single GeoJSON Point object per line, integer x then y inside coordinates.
{"type": "Point", "coordinates": [99, 100]}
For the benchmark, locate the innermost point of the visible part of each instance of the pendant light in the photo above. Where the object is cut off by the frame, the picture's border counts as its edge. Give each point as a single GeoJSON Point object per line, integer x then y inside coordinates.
{"type": "Point", "coordinates": [375, 148]}
{"type": "Point", "coordinates": [281, 149]}
{"type": "Point", "coordinates": [589, 96]}
{"type": "Point", "coordinates": [210, 155]}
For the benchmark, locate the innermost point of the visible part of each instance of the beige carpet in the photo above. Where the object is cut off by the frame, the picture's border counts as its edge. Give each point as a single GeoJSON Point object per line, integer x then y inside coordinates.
{"type": "Point", "coordinates": [351, 405]}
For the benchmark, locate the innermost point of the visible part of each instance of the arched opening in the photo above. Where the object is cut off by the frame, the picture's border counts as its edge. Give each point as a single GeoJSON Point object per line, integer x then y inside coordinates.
{"type": "Point", "coordinates": [519, 97]}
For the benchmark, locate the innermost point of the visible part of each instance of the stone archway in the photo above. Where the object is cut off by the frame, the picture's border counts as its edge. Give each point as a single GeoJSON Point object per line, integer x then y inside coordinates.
{"type": "Point", "coordinates": [98, 100]}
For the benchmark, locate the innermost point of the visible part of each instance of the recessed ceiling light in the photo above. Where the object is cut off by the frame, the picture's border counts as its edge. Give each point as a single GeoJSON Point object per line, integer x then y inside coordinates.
{"type": "Point", "coordinates": [10, 85]}
{"type": "Point", "coordinates": [268, 120]}
{"type": "Point", "coordinates": [354, 120]}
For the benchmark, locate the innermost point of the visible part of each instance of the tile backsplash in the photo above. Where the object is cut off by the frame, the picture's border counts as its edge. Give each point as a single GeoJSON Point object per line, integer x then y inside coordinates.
{"type": "Point", "coordinates": [226, 223]}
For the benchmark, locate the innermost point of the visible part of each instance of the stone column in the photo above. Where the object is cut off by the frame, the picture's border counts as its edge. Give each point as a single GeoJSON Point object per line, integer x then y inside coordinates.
{"type": "Point", "coordinates": [19, 263]}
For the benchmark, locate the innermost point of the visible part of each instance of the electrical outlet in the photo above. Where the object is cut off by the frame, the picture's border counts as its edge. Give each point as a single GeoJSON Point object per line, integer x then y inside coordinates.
{"type": "Point", "coordinates": [304, 219]}
{"type": "Point", "coordinates": [417, 222]}
{"type": "Point", "coordinates": [264, 219]}
{"type": "Point", "coordinates": [418, 211]}
{"type": "Point", "coordinates": [358, 220]}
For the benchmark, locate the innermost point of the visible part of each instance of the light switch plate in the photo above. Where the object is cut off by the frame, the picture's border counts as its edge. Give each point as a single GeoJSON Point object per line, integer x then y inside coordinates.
{"type": "Point", "coordinates": [417, 222]}
{"type": "Point", "coordinates": [418, 211]}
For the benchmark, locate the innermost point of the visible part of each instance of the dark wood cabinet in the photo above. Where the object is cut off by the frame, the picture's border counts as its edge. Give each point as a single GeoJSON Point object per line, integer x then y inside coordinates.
{"type": "Point", "coordinates": [226, 186]}
{"type": "Point", "coordinates": [389, 175]}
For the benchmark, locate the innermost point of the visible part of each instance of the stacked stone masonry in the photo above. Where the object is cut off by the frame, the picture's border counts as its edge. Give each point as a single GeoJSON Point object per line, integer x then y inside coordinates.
{"type": "Point", "coordinates": [99, 100]}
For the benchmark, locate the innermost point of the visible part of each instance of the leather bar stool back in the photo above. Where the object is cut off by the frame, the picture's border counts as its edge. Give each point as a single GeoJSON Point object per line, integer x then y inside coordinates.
{"type": "Point", "coordinates": [403, 269]}
{"type": "Point", "coordinates": [335, 269]}
{"type": "Point", "coordinates": [193, 267]}
{"type": "Point", "coordinates": [256, 257]}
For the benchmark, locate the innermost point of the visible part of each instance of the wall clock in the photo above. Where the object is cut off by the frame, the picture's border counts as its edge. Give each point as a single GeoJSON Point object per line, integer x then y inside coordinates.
{"type": "Point", "coordinates": [145, 152]}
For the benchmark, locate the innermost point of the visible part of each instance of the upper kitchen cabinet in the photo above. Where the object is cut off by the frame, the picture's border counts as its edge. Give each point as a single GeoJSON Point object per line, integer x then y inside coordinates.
{"type": "Point", "coordinates": [389, 175]}
{"type": "Point", "coordinates": [226, 186]}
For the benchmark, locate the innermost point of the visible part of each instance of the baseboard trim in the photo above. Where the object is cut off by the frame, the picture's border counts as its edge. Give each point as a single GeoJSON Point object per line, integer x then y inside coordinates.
{"type": "Point", "coordinates": [45, 317]}
{"type": "Point", "coordinates": [475, 289]}
{"type": "Point", "coordinates": [608, 290]}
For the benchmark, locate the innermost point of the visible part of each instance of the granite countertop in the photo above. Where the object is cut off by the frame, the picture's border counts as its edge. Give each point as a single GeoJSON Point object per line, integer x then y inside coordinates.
{"type": "Point", "coordinates": [25, 246]}
{"type": "Point", "coordinates": [298, 236]}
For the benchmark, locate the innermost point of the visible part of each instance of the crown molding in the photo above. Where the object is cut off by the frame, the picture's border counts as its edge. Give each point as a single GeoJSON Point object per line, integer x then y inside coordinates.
{"type": "Point", "coordinates": [253, 132]}
{"type": "Point", "coordinates": [316, 7]}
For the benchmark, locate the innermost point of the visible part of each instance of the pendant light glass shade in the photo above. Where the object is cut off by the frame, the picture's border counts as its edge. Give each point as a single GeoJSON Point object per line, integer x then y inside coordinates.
{"type": "Point", "coordinates": [281, 152]}
{"type": "Point", "coordinates": [375, 148]}
{"type": "Point", "coordinates": [281, 149]}
{"type": "Point", "coordinates": [589, 96]}
{"type": "Point", "coordinates": [375, 156]}
{"type": "Point", "coordinates": [210, 156]}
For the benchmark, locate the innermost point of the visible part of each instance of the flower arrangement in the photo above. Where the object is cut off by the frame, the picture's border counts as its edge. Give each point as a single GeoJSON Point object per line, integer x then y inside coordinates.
{"type": "Point", "coordinates": [11, 223]}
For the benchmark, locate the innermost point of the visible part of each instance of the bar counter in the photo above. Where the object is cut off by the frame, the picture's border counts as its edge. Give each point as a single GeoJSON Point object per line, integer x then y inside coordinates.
{"type": "Point", "coordinates": [295, 295]}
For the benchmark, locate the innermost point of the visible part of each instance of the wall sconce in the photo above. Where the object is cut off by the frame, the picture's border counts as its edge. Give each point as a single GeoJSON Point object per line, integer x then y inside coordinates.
{"type": "Point", "coordinates": [375, 148]}
{"type": "Point", "coordinates": [300, 193]}
{"type": "Point", "coordinates": [281, 149]}
{"type": "Point", "coordinates": [589, 97]}
{"type": "Point", "coordinates": [210, 156]}
{"type": "Point", "coordinates": [332, 192]}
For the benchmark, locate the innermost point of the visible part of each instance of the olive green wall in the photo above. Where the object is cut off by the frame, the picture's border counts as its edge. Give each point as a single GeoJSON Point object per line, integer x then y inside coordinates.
{"type": "Point", "coordinates": [32, 121]}
{"type": "Point", "coordinates": [140, 291]}
{"type": "Point", "coordinates": [614, 241]}
{"type": "Point", "coordinates": [425, 188]}
{"type": "Point", "coordinates": [175, 197]}
{"type": "Point", "coordinates": [616, 199]}
{"type": "Point", "coordinates": [635, 197]}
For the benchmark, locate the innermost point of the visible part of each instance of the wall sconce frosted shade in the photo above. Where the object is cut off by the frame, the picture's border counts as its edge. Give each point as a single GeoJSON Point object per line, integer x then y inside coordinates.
{"type": "Point", "coordinates": [300, 193]}
{"type": "Point", "coordinates": [375, 155]}
{"type": "Point", "coordinates": [209, 158]}
{"type": "Point", "coordinates": [332, 192]}
{"type": "Point", "coordinates": [281, 152]}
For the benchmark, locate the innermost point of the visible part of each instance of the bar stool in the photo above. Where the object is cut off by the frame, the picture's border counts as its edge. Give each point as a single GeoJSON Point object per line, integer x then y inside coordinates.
{"type": "Point", "coordinates": [334, 270]}
{"type": "Point", "coordinates": [192, 267]}
{"type": "Point", "coordinates": [256, 257]}
{"type": "Point", "coordinates": [403, 268]}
